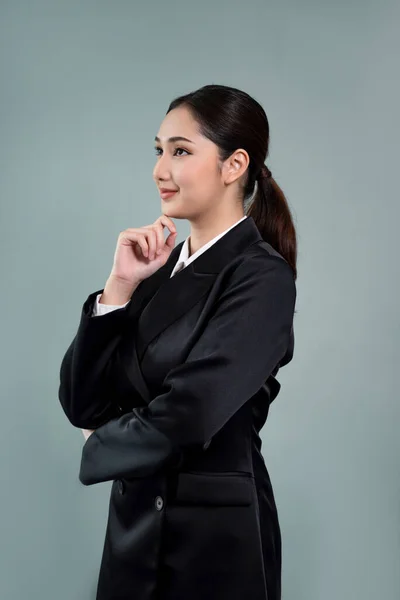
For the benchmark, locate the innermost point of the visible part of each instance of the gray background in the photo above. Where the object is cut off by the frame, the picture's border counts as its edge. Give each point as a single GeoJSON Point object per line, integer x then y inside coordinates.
{"type": "Point", "coordinates": [84, 88]}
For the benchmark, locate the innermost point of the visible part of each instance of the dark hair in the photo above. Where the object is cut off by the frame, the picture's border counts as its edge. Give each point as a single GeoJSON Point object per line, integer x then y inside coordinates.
{"type": "Point", "coordinates": [232, 119]}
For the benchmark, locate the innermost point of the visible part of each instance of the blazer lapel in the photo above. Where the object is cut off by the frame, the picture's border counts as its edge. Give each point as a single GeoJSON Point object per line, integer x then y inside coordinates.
{"type": "Point", "coordinates": [160, 299]}
{"type": "Point", "coordinates": [175, 296]}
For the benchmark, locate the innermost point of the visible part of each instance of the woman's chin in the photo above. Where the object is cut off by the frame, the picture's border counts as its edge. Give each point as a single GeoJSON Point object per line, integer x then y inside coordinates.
{"type": "Point", "coordinates": [171, 210]}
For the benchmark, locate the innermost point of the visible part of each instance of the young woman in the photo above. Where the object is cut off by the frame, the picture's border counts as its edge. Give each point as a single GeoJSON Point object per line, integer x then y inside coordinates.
{"type": "Point", "coordinates": [173, 366]}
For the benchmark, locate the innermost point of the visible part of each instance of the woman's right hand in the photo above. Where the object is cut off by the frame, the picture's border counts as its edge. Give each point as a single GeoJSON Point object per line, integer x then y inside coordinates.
{"type": "Point", "coordinates": [142, 251]}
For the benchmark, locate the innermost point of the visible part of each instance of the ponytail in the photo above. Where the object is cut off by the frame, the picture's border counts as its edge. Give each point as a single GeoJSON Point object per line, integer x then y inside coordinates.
{"type": "Point", "coordinates": [272, 215]}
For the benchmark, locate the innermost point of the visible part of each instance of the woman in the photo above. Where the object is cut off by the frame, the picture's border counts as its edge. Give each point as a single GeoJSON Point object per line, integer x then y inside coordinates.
{"type": "Point", "coordinates": [172, 369]}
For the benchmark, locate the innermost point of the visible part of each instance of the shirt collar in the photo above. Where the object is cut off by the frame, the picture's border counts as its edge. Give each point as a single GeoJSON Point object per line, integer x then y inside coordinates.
{"type": "Point", "coordinates": [184, 258]}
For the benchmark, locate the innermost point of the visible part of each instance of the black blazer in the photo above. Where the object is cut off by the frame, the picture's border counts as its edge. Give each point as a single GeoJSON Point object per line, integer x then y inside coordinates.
{"type": "Point", "coordinates": [177, 385]}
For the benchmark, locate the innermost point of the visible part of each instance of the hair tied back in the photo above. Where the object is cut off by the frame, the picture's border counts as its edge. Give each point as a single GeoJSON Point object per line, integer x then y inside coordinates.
{"type": "Point", "coordinates": [265, 173]}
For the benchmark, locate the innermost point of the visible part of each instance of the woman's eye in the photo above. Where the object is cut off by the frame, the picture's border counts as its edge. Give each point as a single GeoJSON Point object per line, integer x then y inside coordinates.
{"type": "Point", "coordinates": [156, 149]}
{"type": "Point", "coordinates": [183, 150]}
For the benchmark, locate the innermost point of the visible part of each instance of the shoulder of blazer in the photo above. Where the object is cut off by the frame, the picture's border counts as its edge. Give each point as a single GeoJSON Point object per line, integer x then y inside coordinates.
{"type": "Point", "coordinates": [259, 256]}
{"type": "Point", "coordinates": [259, 268]}
{"type": "Point", "coordinates": [266, 248]}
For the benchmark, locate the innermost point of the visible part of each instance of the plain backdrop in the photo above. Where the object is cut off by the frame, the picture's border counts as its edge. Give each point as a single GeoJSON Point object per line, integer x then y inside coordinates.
{"type": "Point", "coordinates": [84, 88]}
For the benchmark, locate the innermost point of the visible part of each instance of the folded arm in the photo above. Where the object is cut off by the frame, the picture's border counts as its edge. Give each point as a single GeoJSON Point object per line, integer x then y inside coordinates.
{"type": "Point", "coordinates": [243, 341]}
{"type": "Point", "coordinates": [88, 367]}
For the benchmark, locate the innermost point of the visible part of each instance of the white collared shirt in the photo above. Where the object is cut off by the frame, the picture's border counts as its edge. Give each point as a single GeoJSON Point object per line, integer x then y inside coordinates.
{"type": "Point", "coordinates": [183, 261]}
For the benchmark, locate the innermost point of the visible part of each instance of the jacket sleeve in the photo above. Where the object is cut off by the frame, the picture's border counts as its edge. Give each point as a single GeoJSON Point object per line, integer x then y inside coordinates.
{"type": "Point", "coordinates": [242, 342]}
{"type": "Point", "coordinates": [89, 365]}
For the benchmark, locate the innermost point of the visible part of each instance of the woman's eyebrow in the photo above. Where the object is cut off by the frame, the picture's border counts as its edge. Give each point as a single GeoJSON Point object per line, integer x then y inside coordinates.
{"type": "Point", "coordinates": [176, 138]}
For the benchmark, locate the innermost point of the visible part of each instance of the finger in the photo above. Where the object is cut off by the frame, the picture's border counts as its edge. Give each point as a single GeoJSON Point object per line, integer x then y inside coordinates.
{"type": "Point", "coordinates": [155, 233]}
{"type": "Point", "coordinates": [152, 242]}
{"type": "Point", "coordinates": [159, 229]}
{"type": "Point", "coordinates": [171, 239]}
{"type": "Point", "coordinates": [167, 222]}
{"type": "Point", "coordinates": [136, 236]}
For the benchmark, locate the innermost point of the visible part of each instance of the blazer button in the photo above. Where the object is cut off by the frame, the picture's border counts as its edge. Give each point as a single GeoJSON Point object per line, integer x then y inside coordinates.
{"type": "Point", "coordinates": [159, 503]}
{"type": "Point", "coordinates": [121, 487]}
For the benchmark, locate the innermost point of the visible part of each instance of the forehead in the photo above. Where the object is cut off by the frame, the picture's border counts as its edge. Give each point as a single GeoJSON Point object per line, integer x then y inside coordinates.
{"type": "Point", "coordinates": [178, 122]}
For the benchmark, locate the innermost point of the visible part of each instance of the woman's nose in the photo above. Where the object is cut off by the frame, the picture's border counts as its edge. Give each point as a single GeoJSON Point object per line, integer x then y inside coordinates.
{"type": "Point", "coordinates": [161, 172]}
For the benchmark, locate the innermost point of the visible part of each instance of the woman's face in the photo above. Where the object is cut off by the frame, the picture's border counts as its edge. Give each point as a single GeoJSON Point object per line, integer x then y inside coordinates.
{"type": "Point", "coordinates": [190, 167]}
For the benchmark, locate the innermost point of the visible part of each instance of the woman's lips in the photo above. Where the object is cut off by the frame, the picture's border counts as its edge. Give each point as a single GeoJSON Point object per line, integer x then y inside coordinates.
{"type": "Point", "coordinates": [165, 195]}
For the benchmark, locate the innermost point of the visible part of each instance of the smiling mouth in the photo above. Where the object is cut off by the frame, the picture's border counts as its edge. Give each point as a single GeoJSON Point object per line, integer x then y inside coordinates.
{"type": "Point", "coordinates": [167, 194]}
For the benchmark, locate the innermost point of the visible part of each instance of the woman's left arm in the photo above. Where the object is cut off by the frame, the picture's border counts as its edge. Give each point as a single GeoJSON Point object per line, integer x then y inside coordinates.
{"type": "Point", "coordinates": [242, 343]}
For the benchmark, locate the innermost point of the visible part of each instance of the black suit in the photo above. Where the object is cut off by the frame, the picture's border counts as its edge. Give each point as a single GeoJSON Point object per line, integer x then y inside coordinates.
{"type": "Point", "coordinates": [177, 385]}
